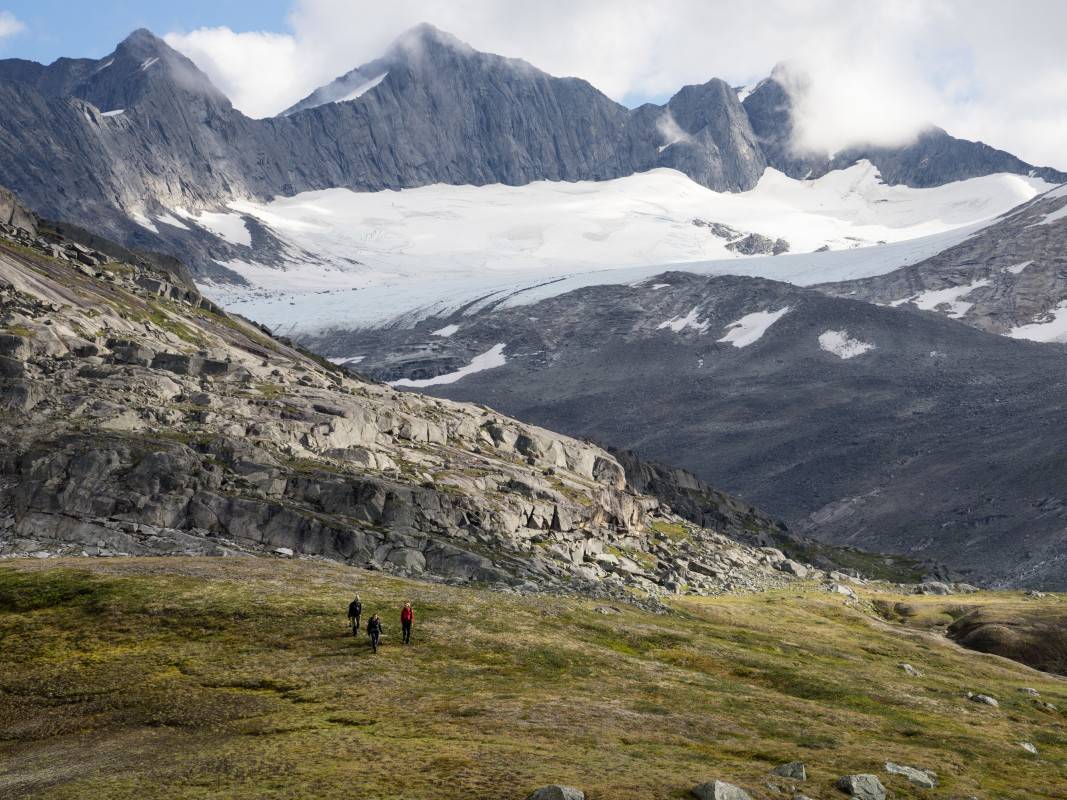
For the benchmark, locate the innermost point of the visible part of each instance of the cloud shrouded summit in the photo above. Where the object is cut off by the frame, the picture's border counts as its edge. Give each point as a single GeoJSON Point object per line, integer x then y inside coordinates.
{"type": "Point", "coordinates": [879, 71]}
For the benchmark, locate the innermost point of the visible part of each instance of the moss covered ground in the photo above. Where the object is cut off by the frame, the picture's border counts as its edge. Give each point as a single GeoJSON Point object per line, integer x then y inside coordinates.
{"type": "Point", "coordinates": [235, 678]}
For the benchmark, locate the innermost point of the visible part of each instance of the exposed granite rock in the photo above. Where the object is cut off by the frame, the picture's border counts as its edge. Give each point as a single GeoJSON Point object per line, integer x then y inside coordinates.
{"type": "Point", "coordinates": [140, 420]}
{"type": "Point", "coordinates": [755, 244]}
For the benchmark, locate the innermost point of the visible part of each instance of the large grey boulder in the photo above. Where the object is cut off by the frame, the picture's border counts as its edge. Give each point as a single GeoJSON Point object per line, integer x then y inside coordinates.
{"type": "Point", "coordinates": [935, 587]}
{"type": "Point", "coordinates": [920, 777]}
{"type": "Point", "coordinates": [557, 792]}
{"type": "Point", "coordinates": [862, 787]}
{"type": "Point", "coordinates": [794, 770]}
{"type": "Point", "coordinates": [719, 790]}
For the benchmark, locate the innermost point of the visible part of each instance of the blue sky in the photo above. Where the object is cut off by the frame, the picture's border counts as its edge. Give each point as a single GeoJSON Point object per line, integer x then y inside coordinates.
{"type": "Point", "coordinates": [55, 28]}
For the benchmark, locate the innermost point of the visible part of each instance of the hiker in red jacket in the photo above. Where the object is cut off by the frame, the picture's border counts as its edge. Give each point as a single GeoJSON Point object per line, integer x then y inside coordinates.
{"type": "Point", "coordinates": [407, 616]}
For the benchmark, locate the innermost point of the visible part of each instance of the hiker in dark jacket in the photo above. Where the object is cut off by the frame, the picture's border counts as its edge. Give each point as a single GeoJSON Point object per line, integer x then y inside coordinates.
{"type": "Point", "coordinates": [355, 611]}
{"type": "Point", "coordinates": [374, 631]}
{"type": "Point", "coordinates": [407, 617]}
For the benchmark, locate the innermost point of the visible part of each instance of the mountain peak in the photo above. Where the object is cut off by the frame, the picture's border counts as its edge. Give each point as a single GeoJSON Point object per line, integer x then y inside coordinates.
{"type": "Point", "coordinates": [143, 41]}
{"type": "Point", "coordinates": [426, 34]}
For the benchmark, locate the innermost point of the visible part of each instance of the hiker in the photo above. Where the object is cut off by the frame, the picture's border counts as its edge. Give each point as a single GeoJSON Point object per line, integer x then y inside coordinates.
{"type": "Point", "coordinates": [374, 631]}
{"type": "Point", "coordinates": [355, 611]}
{"type": "Point", "coordinates": [407, 616]}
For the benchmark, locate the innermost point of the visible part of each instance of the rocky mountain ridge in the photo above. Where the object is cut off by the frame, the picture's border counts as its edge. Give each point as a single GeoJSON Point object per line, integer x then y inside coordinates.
{"type": "Point", "coordinates": [121, 144]}
{"type": "Point", "coordinates": [1008, 278]}
{"type": "Point", "coordinates": [142, 420]}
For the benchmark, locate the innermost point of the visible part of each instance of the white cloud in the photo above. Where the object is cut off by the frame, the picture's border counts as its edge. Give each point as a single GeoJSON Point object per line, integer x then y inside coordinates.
{"type": "Point", "coordinates": [9, 26]}
{"type": "Point", "coordinates": [257, 71]}
{"type": "Point", "coordinates": [982, 69]}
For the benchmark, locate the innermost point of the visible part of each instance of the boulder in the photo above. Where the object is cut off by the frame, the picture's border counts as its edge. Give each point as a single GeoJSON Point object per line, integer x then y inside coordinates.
{"type": "Point", "coordinates": [793, 568]}
{"type": "Point", "coordinates": [1028, 747]}
{"type": "Point", "coordinates": [794, 770]}
{"type": "Point", "coordinates": [719, 790]}
{"type": "Point", "coordinates": [556, 792]}
{"type": "Point", "coordinates": [984, 699]}
{"type": "Point", "coordinates": [935, 587]}
{"type": "Point", "coordinates": [920, 777]}
{"type": "Point", "coordinates": [840, 588]}
{"type": "Point", "coordinates": [908, 668]}
{"type": "Point", "coordinates": [128, 352]}
{"type": "Point", "coordinates": [862, 787]}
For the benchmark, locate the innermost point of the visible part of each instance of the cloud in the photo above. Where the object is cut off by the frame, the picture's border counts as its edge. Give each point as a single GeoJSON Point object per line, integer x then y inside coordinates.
{"type": "Point", "coordinates": [982, 69]}
{"type": "Point", "coordinates": [9, 26]}
{"type": "Point", "coordinates": [257, 71]}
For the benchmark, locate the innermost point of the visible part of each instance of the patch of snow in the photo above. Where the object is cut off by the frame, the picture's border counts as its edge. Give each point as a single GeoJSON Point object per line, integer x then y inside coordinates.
{"type": "Point", "coordinates": [230, 227]}
{"type": "Point", "coordinates": [494, 357]}
{"type": "Point", "coordinates": [173, 221]}
{"type": "Point", "coordinates": [1053, 329]}
{"type": "Point", "coordinates": [143, 221]}
{"type": "Point", "coordinates": [362, 89]}
{"type": "Point", "coordinates": [1053, 216]}
{"type": "Point", "coordinates": [114, 112]}
{"type": "Point", "coordinates": [745, 91]}
{"type": "Point", "coordinates": [690, 320]}
{"type": "Point", "coordinates": [347, 360]}
{"type": "Point", "coordinates": [932, 299]}
{"type": "Point", "coordinates": [657, 286]}
{"type": "Point", "coordinates": [148, 62]}
{"type": "Point", "coordinates": [446, 331]}
{"type": "Point", "coordinates": [839, 343]}
{"type": "Point", "coordinates": [1017, 269]}
{"type": "Point", "coordinates": [751, 327]}
{"type": "Point", "coordinates": [105, 65]}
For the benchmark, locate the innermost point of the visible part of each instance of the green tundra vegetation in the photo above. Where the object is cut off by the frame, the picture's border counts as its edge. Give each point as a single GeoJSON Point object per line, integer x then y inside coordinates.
{"type": "Point", "coordinates": [223, 678]}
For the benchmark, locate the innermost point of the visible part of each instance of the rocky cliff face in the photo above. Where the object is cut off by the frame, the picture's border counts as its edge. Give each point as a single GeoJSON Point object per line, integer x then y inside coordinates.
{"type": "Point", "coordinates": [143, 132]}
{"type": "Point", "coordinates": [833, 414]}
{"type": "Point", "coordinates": [139, 419]}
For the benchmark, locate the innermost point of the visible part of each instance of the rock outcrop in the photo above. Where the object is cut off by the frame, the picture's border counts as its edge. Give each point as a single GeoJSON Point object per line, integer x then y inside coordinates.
{"type": "Point", "coordinates": [139, 419]}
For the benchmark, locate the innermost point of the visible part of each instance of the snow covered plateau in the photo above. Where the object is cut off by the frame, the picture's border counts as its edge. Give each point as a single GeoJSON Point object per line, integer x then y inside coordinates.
{"type": "Point", "coordinates": [355, 260]}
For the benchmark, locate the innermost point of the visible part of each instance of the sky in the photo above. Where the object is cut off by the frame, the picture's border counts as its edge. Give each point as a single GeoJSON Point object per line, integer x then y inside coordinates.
{"type": "Point", "coordinates": [879, 71]}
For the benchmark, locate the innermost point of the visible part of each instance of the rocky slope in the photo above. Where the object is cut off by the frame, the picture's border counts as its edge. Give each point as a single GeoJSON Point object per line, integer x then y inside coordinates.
{"type": "Point", "coordinates": [834, 414]}
{"type": "Point", "coordinates": [933, 159]}
{"type": "Point", "coordinates": [139, 419]}
{"type": "Point", "coordinates": [121, 143]}
{"type": "Point", "coordinates": [1008, 278]}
